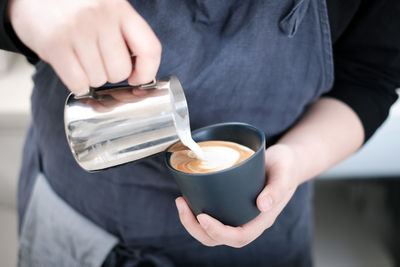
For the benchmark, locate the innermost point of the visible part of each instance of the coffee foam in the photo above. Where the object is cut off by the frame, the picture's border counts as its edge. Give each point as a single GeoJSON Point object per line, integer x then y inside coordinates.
{"type": "Point", "coordinates": [218, 155]}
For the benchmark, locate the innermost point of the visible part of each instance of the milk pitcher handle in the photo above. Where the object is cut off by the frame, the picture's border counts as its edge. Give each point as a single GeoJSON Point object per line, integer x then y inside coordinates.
{"type": "Point", "coordinates": [110, 87]}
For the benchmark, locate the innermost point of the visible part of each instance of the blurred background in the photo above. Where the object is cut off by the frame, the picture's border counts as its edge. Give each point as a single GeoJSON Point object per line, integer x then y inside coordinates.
{"type": "Point", "coordinates": [357, 203]}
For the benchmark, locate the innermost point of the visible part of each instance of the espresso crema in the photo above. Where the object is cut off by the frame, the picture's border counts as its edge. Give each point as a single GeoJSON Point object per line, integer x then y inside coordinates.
{"type": "Point", "coordinates": [218, 155]}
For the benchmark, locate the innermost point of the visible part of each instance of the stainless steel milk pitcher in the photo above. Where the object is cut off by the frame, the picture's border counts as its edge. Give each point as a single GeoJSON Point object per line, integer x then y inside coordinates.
{"type": "Point", "coordinates": [119, 124]}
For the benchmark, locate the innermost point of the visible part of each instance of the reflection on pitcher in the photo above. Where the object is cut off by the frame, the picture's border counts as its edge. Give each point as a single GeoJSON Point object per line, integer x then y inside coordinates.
{"type": "Point", "coordinates": [112, 126]}
{"type": "Point", "coordinates": [107, 100]}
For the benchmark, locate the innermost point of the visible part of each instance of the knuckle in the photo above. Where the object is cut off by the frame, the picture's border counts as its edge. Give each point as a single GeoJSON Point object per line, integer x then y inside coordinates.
{"type": "Point", "coordinates": [275, 199]}
{"type": "Point", "coordinates": [78, 82]}
{"type": "Point", "coordinates": [78, 76]}
{"type": "Point", "coordinates": [213, 233]}
{"type": "Point", "coordinates": [118, 72]}
{"type": "Point", "coordinates": [209, 243]}
{"type": "Point", "coordinates": [116, 76]}
{"type": "Point", "coordinates": [118, 4]}
{"type": "Point", "coordinates": [51, 42]}
{"type": "Point", "coordinates": [241, 241]}
{"type": "Point", "coordinates": [98, 82]}
{"type": "Point", "coordinates": [269, 222]}
{"type": "Point", "coordinates": [239, 244]}
{"type": "Point", "coordinates": [69, 27]}
{"type": "Point", "coordinates": [86, 18]}
{"type": "Point", "coordinates": [90, 10]}
{"type": "Point", "coordinates": [277, 193]}
{"type": "Point", "coordinates": [152, 51]}
{"type": "Point", "coordinates": [125, 70]}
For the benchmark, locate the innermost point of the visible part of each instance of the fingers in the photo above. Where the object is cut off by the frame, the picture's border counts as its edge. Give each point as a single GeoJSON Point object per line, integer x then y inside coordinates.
{"type": "Point", "coordinates": [212, 232]}
{"type": "Point", "coordinates": [67, 66]}
{"type": "Point", "coordinates": [90, 43]}
{"type": "Point", "coordinates": [190, 223]}
{"type": "Point", "coordinates": [115, 54]}
{"type": "Point", "coordinates": [233, 236]}
{"type": "Point", "coordinates": [89, 55]}
{"type": "Point", "coordinates": [272, 195]}
{"type": "Point", "coordinates": [146, 48]}
{"type": "Point", "coordinates": [271, 201]}
{"type": "Point", "coordinates": [279, 185]}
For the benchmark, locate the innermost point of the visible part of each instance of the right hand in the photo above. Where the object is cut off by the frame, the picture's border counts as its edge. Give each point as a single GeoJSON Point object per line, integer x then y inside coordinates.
{"type": "Point", "coordinates": [88, 42]}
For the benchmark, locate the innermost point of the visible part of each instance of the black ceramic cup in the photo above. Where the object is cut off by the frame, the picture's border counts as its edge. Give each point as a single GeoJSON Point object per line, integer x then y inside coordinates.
{"type": "Point", "coordinates": [228, 195]}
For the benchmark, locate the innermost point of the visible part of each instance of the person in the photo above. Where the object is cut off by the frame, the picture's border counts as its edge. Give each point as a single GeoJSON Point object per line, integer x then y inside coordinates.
{"type": "Point", "coordinates": [318, 77]}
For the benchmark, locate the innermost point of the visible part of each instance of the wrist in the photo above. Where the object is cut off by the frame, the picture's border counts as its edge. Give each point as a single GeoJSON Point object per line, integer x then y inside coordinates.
{"type": "Point", "coordinates": [310, 157]}
{"type": "Point", "coordinates": [305, 166]}
{"type": "Point", "coordinates": [290, 159]}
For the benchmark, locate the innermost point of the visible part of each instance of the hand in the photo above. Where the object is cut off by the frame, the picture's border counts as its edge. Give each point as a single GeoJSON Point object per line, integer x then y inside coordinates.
{"type": "Point", "coordinates": [88, 42]}
{"type": "Point", "coordinates": [281, 174]}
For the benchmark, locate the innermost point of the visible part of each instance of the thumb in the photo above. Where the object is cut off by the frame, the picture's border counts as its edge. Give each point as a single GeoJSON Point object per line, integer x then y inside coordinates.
{"type": "Point", "coordinates": [274, 192]}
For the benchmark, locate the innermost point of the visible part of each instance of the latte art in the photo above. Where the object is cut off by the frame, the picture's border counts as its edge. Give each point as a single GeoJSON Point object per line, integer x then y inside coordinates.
{"type": "Point", "coordinates": [218, 155]}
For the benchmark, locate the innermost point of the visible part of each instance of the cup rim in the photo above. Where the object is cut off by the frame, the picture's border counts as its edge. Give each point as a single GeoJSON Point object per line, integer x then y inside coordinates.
{"type": "Point", "coordinates": [262, 147]}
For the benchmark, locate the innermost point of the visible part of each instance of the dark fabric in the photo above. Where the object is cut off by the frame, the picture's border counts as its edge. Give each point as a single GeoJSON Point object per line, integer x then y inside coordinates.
{"type": "Point", "coordinates": [237, 62]}
{"type": "Point", "coordinates": [123, 257]}
{"type": "Point", "coordinates": [365, 80]}
{"type": "Point", "coordinates": [367, 57]}
{"type": "Point", "coordinates": [31, 169]}
{"type": "Point", "coordinates": [5, 38]}
{"type": "Point", "coordinates": [8, 39]}
{"type": "Point", "coordinates": [268, 250]}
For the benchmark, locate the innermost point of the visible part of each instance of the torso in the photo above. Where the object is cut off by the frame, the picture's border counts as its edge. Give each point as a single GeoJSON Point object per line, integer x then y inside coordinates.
{"type": "Point", "coordinates": [235, 64]}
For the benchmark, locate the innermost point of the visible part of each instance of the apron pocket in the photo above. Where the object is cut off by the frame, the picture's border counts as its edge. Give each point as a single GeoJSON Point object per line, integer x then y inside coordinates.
{"type": "Point", "coordinates": [291, 22]}
{"type": "Point", "coordinates": [54, 234]}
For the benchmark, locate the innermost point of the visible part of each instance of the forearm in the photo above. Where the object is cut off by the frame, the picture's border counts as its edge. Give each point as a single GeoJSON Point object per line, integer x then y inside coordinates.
{"type": "Point", "coordinates": [329, 132]}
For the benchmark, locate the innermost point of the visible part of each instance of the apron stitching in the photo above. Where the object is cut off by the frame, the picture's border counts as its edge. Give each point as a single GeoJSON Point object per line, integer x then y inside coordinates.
{"type": "Point", "coordinates": [327, 44]}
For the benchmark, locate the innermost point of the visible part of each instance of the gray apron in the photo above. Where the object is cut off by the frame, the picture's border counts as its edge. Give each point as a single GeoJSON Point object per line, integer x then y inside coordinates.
{"type": "Point", "coordinates": [260, 62]}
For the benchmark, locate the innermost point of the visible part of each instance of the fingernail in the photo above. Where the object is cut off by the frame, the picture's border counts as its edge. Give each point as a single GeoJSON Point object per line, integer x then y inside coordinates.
{"type": "Point", "coordinates": [203, 222]}
{"type": "Point", "coordinates": [179, 206]}
{"type": "Point", "coordinates": [266, 202]}
{"type": "Point", "coordinates": [81, 92]}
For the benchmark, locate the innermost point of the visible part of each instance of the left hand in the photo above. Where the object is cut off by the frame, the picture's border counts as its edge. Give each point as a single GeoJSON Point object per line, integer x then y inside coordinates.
{"type": "Point", "coordinates": [282, 180]}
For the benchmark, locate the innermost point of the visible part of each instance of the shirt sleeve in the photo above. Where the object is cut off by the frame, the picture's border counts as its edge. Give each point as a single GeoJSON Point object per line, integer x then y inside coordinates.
{"type": "Point", "coordinates": [8, 39]}
{"type": "Point", "coordinates": [367, 62]}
